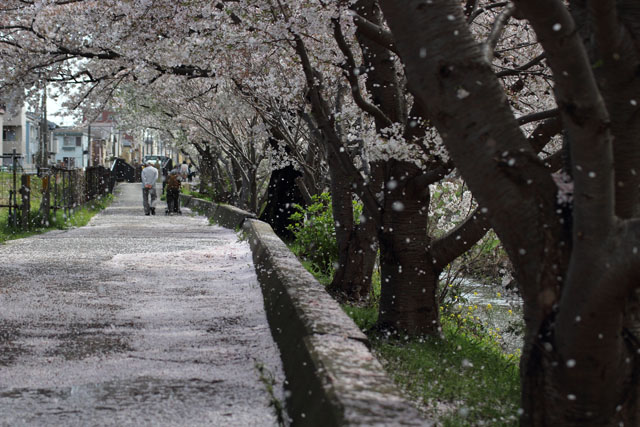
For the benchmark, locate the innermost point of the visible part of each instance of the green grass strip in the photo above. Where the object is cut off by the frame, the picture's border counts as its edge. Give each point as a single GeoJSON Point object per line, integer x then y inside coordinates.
{"type": "Point", "coordinates": [458, 379]}
{"type": "Point", "coordinates": [60, 221]}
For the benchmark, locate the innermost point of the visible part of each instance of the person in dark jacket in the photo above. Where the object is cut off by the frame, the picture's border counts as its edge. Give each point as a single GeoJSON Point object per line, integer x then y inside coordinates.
{"type": "Point", "coordinates": [173, 183]}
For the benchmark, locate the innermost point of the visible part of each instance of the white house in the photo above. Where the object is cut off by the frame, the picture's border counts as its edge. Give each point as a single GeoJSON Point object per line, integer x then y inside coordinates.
{"type": "Point", "coordinates": [71, 145]}
{"type": "Point", "coordinates": [21, 131]}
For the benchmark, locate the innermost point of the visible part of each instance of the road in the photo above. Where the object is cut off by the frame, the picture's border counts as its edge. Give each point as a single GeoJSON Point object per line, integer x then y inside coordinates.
{"type": "Point", "coordinates": [134, 320]}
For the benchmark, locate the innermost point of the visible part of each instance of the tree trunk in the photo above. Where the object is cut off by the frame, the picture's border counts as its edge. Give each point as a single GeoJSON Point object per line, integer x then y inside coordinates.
{"type": "Point", "coordinates": [356, 244]}
{"type": "Point", "coordinates": [282, 193]}
{"type": "Point", "coordinates": [581, 370]}
{"type": "Point", "coordinates": [409, 283]}
{"type": "Point", "coordinates": [579, 364]}
{"type": "Point", "coordinates": [207, 168]}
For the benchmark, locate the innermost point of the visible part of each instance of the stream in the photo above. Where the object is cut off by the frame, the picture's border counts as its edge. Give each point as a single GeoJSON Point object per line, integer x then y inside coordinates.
{"type": "Point", "coordinates": [500, 309]}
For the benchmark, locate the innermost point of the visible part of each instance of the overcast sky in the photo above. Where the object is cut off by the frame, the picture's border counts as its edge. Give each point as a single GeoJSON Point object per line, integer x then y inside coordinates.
{"type": "Point", "coordinates": [54, 113]}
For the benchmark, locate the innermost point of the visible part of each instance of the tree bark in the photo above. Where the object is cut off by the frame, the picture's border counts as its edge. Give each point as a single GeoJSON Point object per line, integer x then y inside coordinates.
{"type": "Point", "coordinates": [579, 364]}
{"type": "Point", "coordinates": [408, 302]}
{"type": "Point", "coordinates": [357, 247]}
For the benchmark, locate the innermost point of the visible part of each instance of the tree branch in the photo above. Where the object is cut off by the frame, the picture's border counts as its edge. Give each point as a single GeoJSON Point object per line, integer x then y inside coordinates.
{"type": "Point", "coordinates": [459, 240]}
{"type": "Point", "coordinates": [540, 115]}
{"type": "Point", "coordinates": [524, 67]}
{"type": "Point", "coordinates": [375, 32]}
{"type": "Point", "coordinates": [584, 116]}
{"type": "Point", "coordinates": [497, 29]}
{"type": "Point", "coordinates": [543, 133]}
{"type": "Point", "coordinates": [353, 78]}
{"type": "Point", "coordinates": [325, 123]}
{"type": "Point", "coordinates": [479, 11]}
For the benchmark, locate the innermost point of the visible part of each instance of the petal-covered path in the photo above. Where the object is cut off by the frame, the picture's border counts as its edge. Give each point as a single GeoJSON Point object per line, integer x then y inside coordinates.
{"type": "Point", "coordinates": [134, 320]}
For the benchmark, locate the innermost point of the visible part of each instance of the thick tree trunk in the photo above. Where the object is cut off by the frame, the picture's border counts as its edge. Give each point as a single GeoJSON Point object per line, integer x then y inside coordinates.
{"type": "Point", "coordinates": [282, 194]}
{"type": "Point", "coordinates": [579, 360]}
{"type": "Point", "coordinates": [356, 243]}
{"type": "Point", "coordinates": [408, 301]}
{"type": "Point", "coordinates": [581, 371]}
{"type": "Point", "coordinates": [208, 169]}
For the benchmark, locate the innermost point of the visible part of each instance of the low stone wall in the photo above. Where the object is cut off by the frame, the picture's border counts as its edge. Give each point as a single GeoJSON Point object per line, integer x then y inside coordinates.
{"type": "Point", "coordinates": [224, 215]}
{"type": "Point", "coordinates": [332, 377]}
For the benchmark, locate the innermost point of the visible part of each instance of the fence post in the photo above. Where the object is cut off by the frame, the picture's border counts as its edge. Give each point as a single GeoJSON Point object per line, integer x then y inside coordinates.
{"type": "Point", "coordinates": [25, 192]}
{"type": "Point", "coordinates": [45, 205]}
{"type": "Point", "coordinates": [13, 202]}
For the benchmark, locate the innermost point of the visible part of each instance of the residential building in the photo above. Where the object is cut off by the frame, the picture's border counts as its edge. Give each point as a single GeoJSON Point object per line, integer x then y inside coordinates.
{"type": "Point", "coordinates": [106, 139]}
{"type": "Point", "coordinates": [21, 132]}
{"type": "Point", "coordinates": [71, 145]}
{"type": "Point", "coordinates": [128, 152]}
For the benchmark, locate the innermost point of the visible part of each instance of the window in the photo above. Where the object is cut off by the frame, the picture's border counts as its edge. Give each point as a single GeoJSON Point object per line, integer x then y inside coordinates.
{"type": "Point", "coordinates": [69, 141]}
{"type": "Point", "coordinates": [8, 134]}
{"type": "Point", "coordinates": [78, 141]}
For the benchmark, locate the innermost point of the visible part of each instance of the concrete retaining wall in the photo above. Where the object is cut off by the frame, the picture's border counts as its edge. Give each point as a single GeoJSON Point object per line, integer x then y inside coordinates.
{"type": "Point", "coordinates": [332, 377]}
{"type": "Point", "coordinates": [224, 215]}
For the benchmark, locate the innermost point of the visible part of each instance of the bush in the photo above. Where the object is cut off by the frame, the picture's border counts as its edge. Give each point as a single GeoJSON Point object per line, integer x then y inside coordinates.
{"type": "Point", "coordinates": [315, 234]}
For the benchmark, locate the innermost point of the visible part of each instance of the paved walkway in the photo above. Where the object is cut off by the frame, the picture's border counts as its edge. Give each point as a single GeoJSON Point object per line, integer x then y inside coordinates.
{"type": "Point", "coordinates": [133, 320]}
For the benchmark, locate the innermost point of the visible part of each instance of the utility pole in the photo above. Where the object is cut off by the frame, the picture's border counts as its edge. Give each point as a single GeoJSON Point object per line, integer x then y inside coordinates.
{"type": "Point", "coordinates": [43, 158]}
{"type": "Point", "coordinates": [90, 150]}
{"type": "Point", "coordinates": [43, 162]}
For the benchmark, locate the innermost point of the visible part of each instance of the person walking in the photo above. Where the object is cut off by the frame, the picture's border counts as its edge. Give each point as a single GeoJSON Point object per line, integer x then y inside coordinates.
{"type": "Point", "coordinates": [149, 176]}
{"type": "Point", "coordinates": [173, 192]}
{"type": "Point", "coordinates": [184, 170]}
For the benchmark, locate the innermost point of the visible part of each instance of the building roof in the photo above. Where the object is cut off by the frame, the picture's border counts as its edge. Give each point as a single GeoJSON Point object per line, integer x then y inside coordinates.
{"type": "Point", "coordinates": [62, 130]}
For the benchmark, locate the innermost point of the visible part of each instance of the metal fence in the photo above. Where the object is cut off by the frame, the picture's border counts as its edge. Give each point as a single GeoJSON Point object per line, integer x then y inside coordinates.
{"type": "Point", "coordinates": [65, 189]}
{"type": "Point", "coordinates": [48, 191]}
{"type": "Point", "coordinates": [10, 182]}
{"type": "Point", "coordinates": [99, 181]}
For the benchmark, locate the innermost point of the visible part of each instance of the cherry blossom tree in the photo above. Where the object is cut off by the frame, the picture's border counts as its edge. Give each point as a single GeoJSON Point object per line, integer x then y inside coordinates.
{"type": "Point", "coordinates": [227, 134]}
{"type": "Point", "coordinates": [578, 284]}
{"type": "Point", "coordinates": [377, 141]}
{"type": "Point", "coordinates": [470, 75]}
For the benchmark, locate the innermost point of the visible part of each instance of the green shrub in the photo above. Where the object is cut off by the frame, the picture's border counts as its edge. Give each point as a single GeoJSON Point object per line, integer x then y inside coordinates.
{"type": "Point", "coordinates": [315, 233]}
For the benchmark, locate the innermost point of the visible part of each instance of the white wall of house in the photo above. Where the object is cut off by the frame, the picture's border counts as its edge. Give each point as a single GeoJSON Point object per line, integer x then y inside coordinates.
{"type": "Point", "coordinates": [21, 132]}
{"type": "Point", "coordinates": [32, 139]}
{"type": "Point", "coordinates": [70, 145]}
{"type": "Point", "coordinates": [13, 135]}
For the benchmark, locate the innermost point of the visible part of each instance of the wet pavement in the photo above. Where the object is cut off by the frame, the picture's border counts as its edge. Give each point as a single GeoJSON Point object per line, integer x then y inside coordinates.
{"type": "Point", "coordinates": [134, 320]}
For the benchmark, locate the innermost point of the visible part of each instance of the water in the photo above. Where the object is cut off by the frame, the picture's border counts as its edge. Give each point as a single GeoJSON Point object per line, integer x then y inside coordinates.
{"type": "Point", "coordinates": [499, 309]}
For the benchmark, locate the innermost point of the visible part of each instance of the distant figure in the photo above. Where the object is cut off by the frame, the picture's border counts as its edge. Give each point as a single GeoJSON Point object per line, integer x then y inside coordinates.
{"type": "Point", "coordinates": [184, 170]}
{"type": "Point", "coordinates": [149, 176]}
{"type": "Point", "coordinates": [174, 181]}
{"type": "Point", "coordinates": [192, 172]}
{"type": "Point", "coordinates": [165, 175]}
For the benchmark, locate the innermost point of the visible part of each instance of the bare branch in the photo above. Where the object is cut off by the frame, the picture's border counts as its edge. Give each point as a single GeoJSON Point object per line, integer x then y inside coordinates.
{"type": "Point", "coordinates": [481, 10]}
{"type": "Point", "coordinates": [459, 240]}
{"type": "Point", "coordinates": [540, 115]}
{"type": "Point", "coordinates": [524, 67]}
{"type": "Point", "coordinates": [353, 78]}
{"type": "Point", "coordinates": [375, 33]}
{"type": "Point", "coordinates": [497, 29]}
